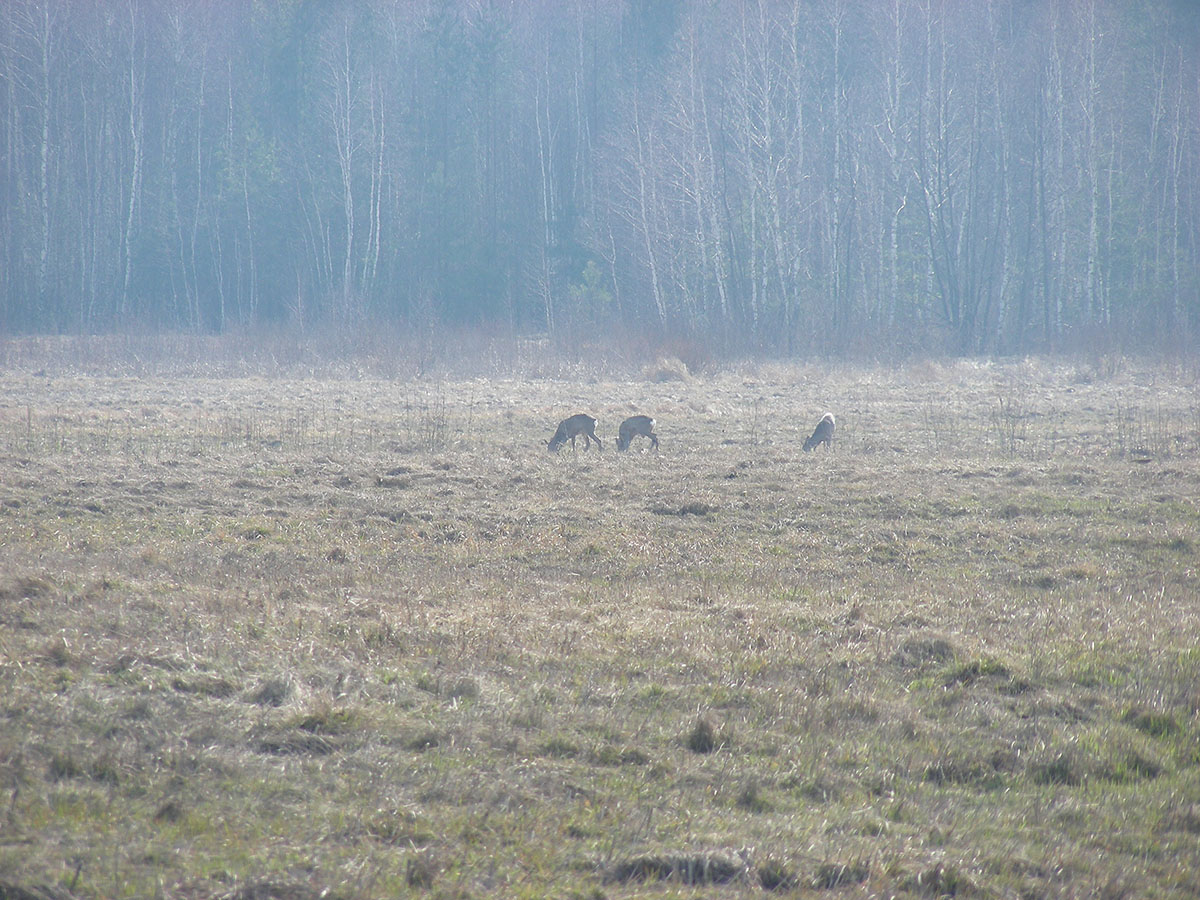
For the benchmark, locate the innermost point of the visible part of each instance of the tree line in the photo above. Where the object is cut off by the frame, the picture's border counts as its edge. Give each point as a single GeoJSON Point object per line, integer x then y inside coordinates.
{"type": "Point", "coordinates": [780, 176]}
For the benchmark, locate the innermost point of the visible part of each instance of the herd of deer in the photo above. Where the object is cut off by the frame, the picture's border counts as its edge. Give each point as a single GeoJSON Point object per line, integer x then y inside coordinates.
{"type": "Point", "coordinates": [582, 423]}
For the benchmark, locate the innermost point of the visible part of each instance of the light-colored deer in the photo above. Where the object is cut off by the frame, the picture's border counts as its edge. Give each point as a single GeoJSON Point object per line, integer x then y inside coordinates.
{"type": "Point", "coordinates": [569, 429]}
{"type": "Point", "coordinates": [632, 427]}
{"type": "Point", "coordinates": [823, 434]}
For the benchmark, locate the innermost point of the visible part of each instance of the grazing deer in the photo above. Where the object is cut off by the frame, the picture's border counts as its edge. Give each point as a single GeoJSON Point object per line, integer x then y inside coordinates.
{"type": "Point", "coordinates": [823, 434]}
{"type": "Point", "coordinates": [632, 427]}
{"type": "Point", "coordinates": [580, 423]}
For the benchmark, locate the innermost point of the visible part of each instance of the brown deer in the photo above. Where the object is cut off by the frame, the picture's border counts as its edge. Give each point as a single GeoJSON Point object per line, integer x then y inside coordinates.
{"type": "Point", "coordinates": [823, 434]}
{"type": "Point", "coordinates": [569, 429]}
{"type": "Point", "coordinates": [632, 427]}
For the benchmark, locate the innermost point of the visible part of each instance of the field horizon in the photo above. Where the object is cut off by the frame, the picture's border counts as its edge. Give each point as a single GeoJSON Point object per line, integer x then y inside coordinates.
{"type": "Point", "coordinates": [359, 635]}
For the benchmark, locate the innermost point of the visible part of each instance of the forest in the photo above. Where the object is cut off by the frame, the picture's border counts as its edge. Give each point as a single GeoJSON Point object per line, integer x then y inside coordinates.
{"type": "Point", "coordinates": [781, 177]}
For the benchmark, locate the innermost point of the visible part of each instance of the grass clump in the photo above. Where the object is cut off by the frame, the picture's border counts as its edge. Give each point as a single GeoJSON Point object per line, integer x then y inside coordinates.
{"type": "Point", "coordinates": [965, 770]}
{"type": "Point", "coordinates": [560, 747]}
{"type": "Point", "coordinates": [693, 508]}
{"type": "Point", "coordinates": [1185, 819]}
{"type": "Point", "coordinates": [64, 766]}
{"type": "Point", "coordinates": [612, 755]}
{"type": "Point", "coordinates": [1155, 723]}
{"type": "Point", "coordinates": [704, 738]}
{"type": "Point", "coordinates": [709, 867]}
{"type": "Point", "coordinates": [272, 692]}
{"type": "Point", "coordinates": [775, 875]}
{"type": "Point", "coordinates": [25, 587]}
{"type": "Point", "coordinates": [921, 651]}
{"type": "Point", "coordinates": [421, 871]}
{"type": "Point", "coordinates": [940, 881]}
{"type": "Point", "coordinates": [427, 740]}
{"type": "Point", "coordinates": [837, 875]}
{"type": "Point", "coordinates": [205, 686]}
{"type": "Point", "coordinates": [296, 743]}
{"type": "Point", "coordinates": [327, 721]}
{"type": "Point", "coordinates": [1105, 756]}
{"type": "Point", "coordinates": [753, 799]}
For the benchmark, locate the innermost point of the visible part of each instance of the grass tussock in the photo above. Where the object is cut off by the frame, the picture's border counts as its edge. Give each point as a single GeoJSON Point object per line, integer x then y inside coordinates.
{"type": "Point", "coordinates": [836, 875]}
{"type": "Point", "coordinates": [714, 867]}
{"type": "Point", "coordinates": [704, 736]}
{"type": "Point", "coordinates": [363, 638]}
{"type": "Point", "coordinates": [940, 881]}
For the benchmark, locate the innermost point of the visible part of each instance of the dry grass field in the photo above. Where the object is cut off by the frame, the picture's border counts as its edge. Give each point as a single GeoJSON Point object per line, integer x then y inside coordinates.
{"type": "Point", "coordinates": [351, 636]}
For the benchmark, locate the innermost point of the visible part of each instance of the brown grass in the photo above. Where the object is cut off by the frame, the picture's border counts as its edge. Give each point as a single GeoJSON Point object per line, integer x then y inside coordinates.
{"type": "Point", "coordinates": [358, 637]}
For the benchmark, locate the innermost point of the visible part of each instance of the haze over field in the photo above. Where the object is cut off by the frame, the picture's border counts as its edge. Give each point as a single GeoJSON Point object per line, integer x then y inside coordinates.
{"type": "Point", "coordinates": [296, 602]}
{"type": "Point", "coordinates": [868, 177]}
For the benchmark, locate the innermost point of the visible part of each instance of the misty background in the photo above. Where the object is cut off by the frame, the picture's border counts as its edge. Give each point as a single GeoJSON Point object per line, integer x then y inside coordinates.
{"type": "Point", "coordinates": [789, 177]}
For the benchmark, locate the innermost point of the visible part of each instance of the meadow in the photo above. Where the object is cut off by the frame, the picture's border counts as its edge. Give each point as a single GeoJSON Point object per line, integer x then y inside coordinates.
{"type": "Point", "coordinates": [348, 635]}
